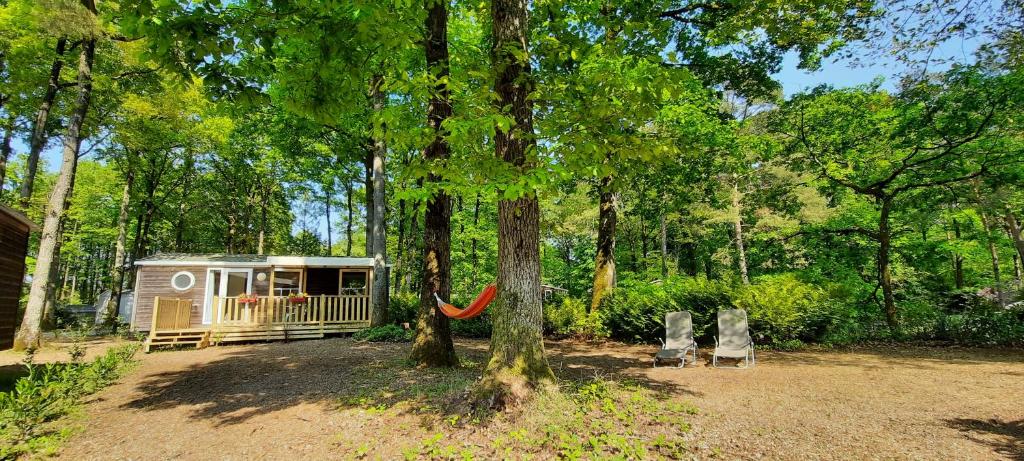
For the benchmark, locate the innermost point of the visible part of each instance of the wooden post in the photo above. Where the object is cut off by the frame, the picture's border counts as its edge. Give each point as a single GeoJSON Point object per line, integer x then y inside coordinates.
{"type": "Point", "coordinates": [156, 307]}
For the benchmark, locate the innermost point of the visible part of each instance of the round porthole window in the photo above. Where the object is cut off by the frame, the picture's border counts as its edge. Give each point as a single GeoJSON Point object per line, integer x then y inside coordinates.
{"type": "Point", "coordinates": [183, 280]}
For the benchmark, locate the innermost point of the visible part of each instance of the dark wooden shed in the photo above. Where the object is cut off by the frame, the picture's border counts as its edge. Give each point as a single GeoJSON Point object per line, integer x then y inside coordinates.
{"type": "Point", "coordinates": [14, 231]}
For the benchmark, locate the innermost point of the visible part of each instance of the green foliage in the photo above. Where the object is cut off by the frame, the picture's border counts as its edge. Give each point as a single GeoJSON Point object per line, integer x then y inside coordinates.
{"type": "Point", "coordinates": [569, 316]}
{"type": "Point", "coordinates": [384, 334]}
{"type": "Point", "coordinates": [404, 308]}
{"type": "Point", "coordinates": [49, 392]}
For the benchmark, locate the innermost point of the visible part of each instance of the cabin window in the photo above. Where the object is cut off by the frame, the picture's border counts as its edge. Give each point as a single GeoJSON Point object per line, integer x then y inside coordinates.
{"type": "Point", "coordinates": [287, 283]}
{"type": "Point", "coordinates": [353, 283]}
{"type": "Point", "coordinates": [183, 280]}
{"type": "Point", "coordinates": [322, 281]}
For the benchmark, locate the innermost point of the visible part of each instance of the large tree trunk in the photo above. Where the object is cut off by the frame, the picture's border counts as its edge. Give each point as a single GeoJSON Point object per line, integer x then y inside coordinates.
{"type": "Point", "coordinates": [28, 335]}
{"type": "Point", "coordinates": [884, 274]}
{"type": "Point", "coordinates": [604, 261]}
{"type": "Point", "coordinates": [120, 252]}
{"type": "Point", "coordinates": [433, 346]}
{"type": "Point", "coordinates": [517, 364]}
{"type": "Point", "coordinates": [349, 218]}
{"type": "Point", "coordinates": [741, 253]}
{"type": "Point", "coordinates": [38, 140]}
{"type": "Point", "coordinates": [380, 241]}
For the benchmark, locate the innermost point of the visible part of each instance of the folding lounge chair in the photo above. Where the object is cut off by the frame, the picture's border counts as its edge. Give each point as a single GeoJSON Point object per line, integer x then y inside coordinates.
{"type": "Point", "coordinates": [678, 339]}
{"type": "Point", "coordinates": [733, 338]}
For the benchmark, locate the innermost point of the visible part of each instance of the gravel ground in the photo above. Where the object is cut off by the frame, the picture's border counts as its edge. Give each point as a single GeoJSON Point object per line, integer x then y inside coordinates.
{"type": "Point", "coordinates": [308, 400]}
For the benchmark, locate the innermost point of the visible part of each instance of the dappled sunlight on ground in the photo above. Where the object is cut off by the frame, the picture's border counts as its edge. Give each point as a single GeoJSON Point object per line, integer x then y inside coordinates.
{"type": "Point", "coordinates": [340, 399]}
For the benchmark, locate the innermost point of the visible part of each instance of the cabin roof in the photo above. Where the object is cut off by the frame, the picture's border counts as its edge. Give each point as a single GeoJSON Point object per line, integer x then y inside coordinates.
{"type": "Point", "coordinates": [238, 260]}
{"type": "Point", "coordinates": [19, 217]}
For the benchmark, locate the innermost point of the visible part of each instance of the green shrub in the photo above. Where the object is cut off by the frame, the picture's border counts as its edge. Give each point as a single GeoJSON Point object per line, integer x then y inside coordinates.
{"type": "Point", "coordinates": [782, 308]}
{"type": "Point", "coordinates": [384, 334]}
{"type": "Point", "coordinates": [635, 311]}
{"type": "Point", "coordinates": [404, 308]}
{"type": "Point", "coordinates": [984, 325]}
{"type": "Point", "coordinates": [568, 316]}
{"type": "Point", "coordinates": [476, 327]}
{"type": "Point", "coordinates": [50, 391]}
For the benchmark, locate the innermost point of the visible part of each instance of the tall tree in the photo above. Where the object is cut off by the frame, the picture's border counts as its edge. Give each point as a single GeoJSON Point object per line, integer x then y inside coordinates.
{"type": "Point", "coordinates": [28, 335]}
{"type": "Point", "coordinates": [517, 364]}
{"type": "Point", "coordinates": [433, 345]}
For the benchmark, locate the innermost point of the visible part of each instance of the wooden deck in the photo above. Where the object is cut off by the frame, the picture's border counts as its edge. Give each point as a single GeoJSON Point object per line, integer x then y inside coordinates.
{"type": "Point", "coordinates": [265, 318]}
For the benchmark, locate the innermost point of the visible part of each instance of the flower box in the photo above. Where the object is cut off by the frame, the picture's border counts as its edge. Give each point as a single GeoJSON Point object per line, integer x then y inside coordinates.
{"type": "Point", "coordinates": [297, 299]}
{"type": "Point", "coordinates": [247, 299]}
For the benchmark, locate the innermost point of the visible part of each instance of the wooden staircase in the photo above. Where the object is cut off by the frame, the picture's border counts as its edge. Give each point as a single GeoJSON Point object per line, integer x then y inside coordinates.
{"type": "Point", "coordinates": [197, 337]}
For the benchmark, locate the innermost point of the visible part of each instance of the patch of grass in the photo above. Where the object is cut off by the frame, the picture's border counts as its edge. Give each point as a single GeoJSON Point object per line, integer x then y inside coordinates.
{"type": "Point", "coordinates": [590, 419]}
{"type": "Point", "coordinates": [31, 412]}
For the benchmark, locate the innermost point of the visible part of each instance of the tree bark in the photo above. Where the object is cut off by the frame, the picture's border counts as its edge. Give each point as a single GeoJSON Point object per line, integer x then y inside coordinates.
{"type": "Point", "coordinates": [604, 262]}
{"type": "Point", "coordinates": [433, 345]}
{"type": "Point", "coordinates": [993, 252]}
{"type": "Point", "coordinates": [28, 335]}
{"type": "Point", "coordinates": [958, 259]}
{"type": "Point", "coordinates": [472, 243]}
{"type": "Point", "coordinates": [5, 149]}
{"type": "Point", "coordinates": [517, 364]}
{"type": "Point", "coordinates": [664, 246]}
{"type": "Point", "coordinates": [368, 164]}
{"type": "Point", "coordinates": [120, 251]}
{"type": "Point", "coordinates": [348, 220]}
{"type": "Point", "coordinates": [327, 209]}
{"type": "Point", "coordinates": [1014, 228]}
{"type": "Point", "coordinates": [741, 253]}
{"type": "Point", "coordinates": [884, 274]}
{"type": "Point", "coordinates": [38, 140]}
{"type": "Point", "coordinates": [400, 260]}
{"type": "Point", "coordinates": [380, 276]}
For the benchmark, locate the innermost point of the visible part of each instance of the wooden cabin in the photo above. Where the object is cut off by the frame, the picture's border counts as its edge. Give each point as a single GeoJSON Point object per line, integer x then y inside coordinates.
{"type": "Point", "coordinates": [14, 232]}
{"type": "Point", "coordinates": [204, 299]}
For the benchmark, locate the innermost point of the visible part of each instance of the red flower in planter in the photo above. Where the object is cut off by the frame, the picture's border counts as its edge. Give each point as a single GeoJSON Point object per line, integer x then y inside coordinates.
{"type": "Point", "coordinates": [248, 299]}
{"type": "Point", "coordinates": [297, 298]}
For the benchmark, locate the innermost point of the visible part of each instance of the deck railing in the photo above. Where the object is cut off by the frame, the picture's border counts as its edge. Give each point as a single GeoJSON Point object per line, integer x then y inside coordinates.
{"type": "Point", "coordinates": [171, 314]}
{"type": "Point", "coordinates": [284, 311]}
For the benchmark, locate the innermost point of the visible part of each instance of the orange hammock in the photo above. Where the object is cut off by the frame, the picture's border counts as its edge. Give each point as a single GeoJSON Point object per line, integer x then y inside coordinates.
{"type": "Point", "coordinates": [475, 308]}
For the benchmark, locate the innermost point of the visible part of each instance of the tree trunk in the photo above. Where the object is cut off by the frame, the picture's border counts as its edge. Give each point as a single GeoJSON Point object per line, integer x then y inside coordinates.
{"type": "Point", "coordinates": [993, 251]}
{"type": "Point", "coordinates": [400, 260]}
{"type": "Point", "coordinates": [664, 247]}
{"type": "Point", "coordinates": [884, 274]}
{"type": "Point", "coordinates": [38, 140]}
{"type": "Point", "coordinates": [5, 149]}
{"type": "Point", "coordinates": [433, 346]}
{"type": "Point", "coordinates": [1014, 228]}
{"type": "Point", "coordinates": [368, 164]}
{"type": "Point", "coordinates": [327, 209]}
{"type": "Point", "coordinates": [604, 262]}
{"type": "Point", "coordinates": [741, 253]}
{"type": "Point", "coordinates": [120, 251]}
{"type": "Point", "coordinates": [348, 220]}
{"type": "Point", "coordinates": [517, 364]}
{"type": "Point", "coordinates": [28, 335]}
{"type": "Point", "coordinates": [380, 241]}
{"type": "Point", "coordinates": [472, 243]}
{"type": "Point", "coordinates": [958, 259]}
{"type": "Point", "coordinates": [261, 242]}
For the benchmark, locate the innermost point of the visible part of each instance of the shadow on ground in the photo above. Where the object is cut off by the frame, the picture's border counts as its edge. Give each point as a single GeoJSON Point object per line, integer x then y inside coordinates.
{"type": "Point", "coordinates": [246, 381]}
{"type": "Point", "coordinates": [1005, 437]}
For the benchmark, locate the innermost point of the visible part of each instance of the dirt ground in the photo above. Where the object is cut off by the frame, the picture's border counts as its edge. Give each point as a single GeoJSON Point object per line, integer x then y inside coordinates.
{"type": "Point", "coordinates": [329, 399]}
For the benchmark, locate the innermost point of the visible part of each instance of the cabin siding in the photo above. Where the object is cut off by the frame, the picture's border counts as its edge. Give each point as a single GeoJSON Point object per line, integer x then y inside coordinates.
{"type": "Point", "coordinates": [13, 246]}
{"type": "Point", "coordinates": [155, 281]}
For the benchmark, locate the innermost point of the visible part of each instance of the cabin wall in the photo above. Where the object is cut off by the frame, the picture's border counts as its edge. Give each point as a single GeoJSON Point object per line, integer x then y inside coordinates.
{"type": "Point", "coordinates": [13, 245]}
{"type": "Point", "coordinates": [156, 281]}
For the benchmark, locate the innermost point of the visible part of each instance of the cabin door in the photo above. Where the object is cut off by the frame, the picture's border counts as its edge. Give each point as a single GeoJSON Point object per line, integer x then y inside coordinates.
{"type": "Point", "coordinates": [225, 283]}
